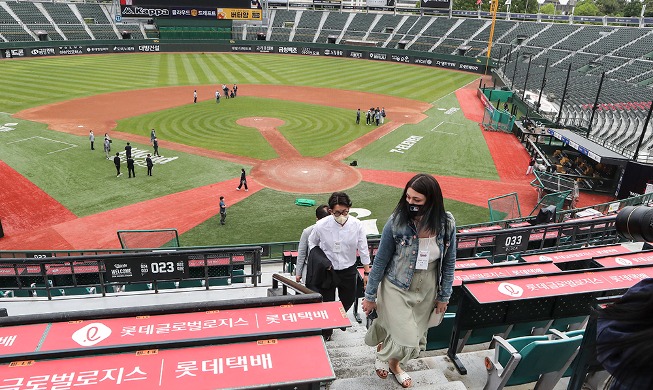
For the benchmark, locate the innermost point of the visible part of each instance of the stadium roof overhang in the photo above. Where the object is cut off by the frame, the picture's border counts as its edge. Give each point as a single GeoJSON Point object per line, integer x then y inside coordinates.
{"type": "Point", "coordinates": [588, 148]}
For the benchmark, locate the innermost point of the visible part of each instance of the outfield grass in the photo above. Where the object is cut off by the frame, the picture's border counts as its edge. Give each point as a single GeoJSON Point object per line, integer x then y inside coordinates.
{"type": "Point", "coordinates": [39, 81]}
{"type": "Point", "coordinates": [451, 145]}
{"type": "Point", "coordinates": [313, 130]}
{"type": "Point", "coordinates": [272, 216]}
{"type": "Point", "coordinates": [85, 181]}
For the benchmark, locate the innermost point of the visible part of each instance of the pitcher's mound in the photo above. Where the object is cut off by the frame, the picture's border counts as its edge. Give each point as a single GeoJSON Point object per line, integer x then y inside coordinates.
{"type": "Point", "coordinates": [305, 175]}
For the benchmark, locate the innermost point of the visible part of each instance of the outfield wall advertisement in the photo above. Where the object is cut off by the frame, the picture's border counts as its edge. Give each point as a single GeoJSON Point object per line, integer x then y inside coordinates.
{"type": "Point", "coordinates": [376, 54]}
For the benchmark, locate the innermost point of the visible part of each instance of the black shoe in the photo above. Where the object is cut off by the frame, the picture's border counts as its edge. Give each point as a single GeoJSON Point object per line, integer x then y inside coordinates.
{"type": "Point", "coordinates": [343, 329]}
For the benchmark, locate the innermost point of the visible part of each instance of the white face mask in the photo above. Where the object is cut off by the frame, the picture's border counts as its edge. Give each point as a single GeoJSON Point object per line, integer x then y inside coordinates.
{"type": "Point", "coordinates": [341, 219]}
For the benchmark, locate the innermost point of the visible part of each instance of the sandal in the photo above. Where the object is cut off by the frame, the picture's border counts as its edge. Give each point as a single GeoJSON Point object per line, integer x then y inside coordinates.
{"type": "Point", "coordinates": [381, 368]}
{"type": "Point", "coordinates": [402, 378]}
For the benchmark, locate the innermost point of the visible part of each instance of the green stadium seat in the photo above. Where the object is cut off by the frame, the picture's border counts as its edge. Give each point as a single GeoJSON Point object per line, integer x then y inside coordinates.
{"type": "Point", "coordinates": [15, 293]}
{"type": "Point", "coordinates": [191, 283]}
{"type": "Point", "coordinates": [238, 279]}
{"type": "Point", "coordinates": [569, 323]}
{"type": "Point", "coordinates": [530, 359]}
{"type": "Point", "coordinates": [80, 290]}
{"type": "Point", "coordinates": [439, 336]}
{"type": "Point", "coordinates": [40, 290]}
{"type": "Point", "coordinates": [482, 335]}
{"type": "Point", "coordinates": [138, 287]}
{"type": "Point", "coordinates": [529, 328]}
{"type": "Point", "coordinates": [218, 282]}
{"type": "Point", "coordinates": [165, 285]}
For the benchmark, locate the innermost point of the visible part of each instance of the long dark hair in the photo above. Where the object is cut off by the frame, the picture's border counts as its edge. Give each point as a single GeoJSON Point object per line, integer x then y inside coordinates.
{"type": "Point", "coordinates": [432, 212]}
{"type": "Point", "coordinates": [631, 318]}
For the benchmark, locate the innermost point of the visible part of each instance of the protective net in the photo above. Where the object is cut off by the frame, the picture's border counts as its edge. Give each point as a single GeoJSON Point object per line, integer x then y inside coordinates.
{"type": "Point", "coordinates": [504, 207]}
{"type": "Point", "coordinates": [155, 238]}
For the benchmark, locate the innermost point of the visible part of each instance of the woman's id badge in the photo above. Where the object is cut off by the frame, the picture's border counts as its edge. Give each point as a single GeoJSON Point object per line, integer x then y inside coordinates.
{"type": "Point", "coordinates": [422, 260]}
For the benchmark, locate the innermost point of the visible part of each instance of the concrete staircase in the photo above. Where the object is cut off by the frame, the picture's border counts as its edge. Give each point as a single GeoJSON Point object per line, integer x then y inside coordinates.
{"type": "Point", "coordinates": [353, 364]}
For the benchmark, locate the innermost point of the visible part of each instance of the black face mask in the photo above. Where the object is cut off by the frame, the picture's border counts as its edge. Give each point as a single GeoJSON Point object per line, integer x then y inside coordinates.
{"type": "Point", "coordinates": [414, 210]}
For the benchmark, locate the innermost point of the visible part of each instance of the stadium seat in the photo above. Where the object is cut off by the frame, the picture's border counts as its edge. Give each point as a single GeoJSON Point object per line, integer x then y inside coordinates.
{"type": "Point", "coordinates": [238, 279]}
{"type": "Point", "coordinates": [79, 290]}
{"type": "Point", "coordinates": [569, 323]}
{"type": "Point", "coordinates": [439, 336]}
{"type": "Point", "coordinates": [218, 282]}
{"type": "Point", "coordinates": [481, 335]}
{"type": "Point", "coordinates": [165, 285]}
{"type": "Point", "coordinates": [529, 328]}
{"type": "Point", "coordinates": [138, 287]}
{"type": "Point", "coordinates": [530, 359]}
{"type": "Point", "coordinates": [191, 283]}
{"type": "Point", "coordinates": [42, 292]}
{"type": "Point", "coordinates": [15, 294]}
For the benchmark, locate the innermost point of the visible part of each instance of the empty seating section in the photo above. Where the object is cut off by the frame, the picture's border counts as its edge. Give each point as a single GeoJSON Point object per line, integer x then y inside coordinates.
{"type": "Point", "coordinates": [616, 40]}
{"type": "Point", "coordinates": [15, 33]}
{"type": "Point", "coordinates": [48, 28]}
{"type": "Point", "coordinates": [419, 24]}
{"type": "Point", "coordinates": [6, 18]}
{"type": "Point", "coordinates": [439, 27]}
{"type": "Point", "coordinates": [584, 37]}
{"type": "Point", "coordinates": [553, 35]}
{"type": "Point", "coordinates": [578, 60]}
{"type": "Point", "coordinates": [386, 21]}
{"type": "Point", "coordinates": [448, 46]}
{"type": "Point", "coordinates": [93, 11]}
{"type": "Point", "coordinates": [607, 64]}
{"type": "Point", "coordinates": [282, 16]}
{"type": "Point", "coordinates": [643, 47]}
{"type": "Point", "coordinates": [310, 19]}
{"type": "Point", "coordinates": [500, 28]}
{"type": "Point", "coordinates": [359, 26]}
{"type": "Point", "coordinates": [467, 28]}
{"type": "Point", "coordinates": [61, 13]}
{"type": "Point", "coordinates": [477, 48]}
{"type": "Point", "coordinates": [253, 31]}
{"type": "Point", "coordinates": [280, 34]}
{"type": "Point", "coordinates": [103, 31]}
{"type": "Point", "coordinates": [304, 35]}
{"type": "Point", "coordinates": [407, 24]}
{"type": "Point", "coordinates": [335, 21]}
{"type": "Point", "coordinates": [523, 30]}
{"type": "Point", "coordinates": [553, 55]}
{"type": "Point", "coordinates": [133, 29]}
{"type": "Point", "coordinates": [28, 13]}
{"type": "Point", "coordinates": [423, 43]}
{"type": "Point", "coordinates": [378, 37]}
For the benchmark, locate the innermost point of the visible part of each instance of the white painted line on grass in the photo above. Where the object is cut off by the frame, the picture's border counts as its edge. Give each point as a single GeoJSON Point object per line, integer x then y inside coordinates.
{"type": "Point", "coordinates": [47, 139]}
{"type": "Point", "coordinates": [443, 132]}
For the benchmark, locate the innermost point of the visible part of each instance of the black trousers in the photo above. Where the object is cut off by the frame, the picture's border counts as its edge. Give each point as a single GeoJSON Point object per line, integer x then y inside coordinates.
{"type": "Point", "coordinates": [346, 291]}
{"type": "Point", "coordinates": [149, 171]}
{"type": "Point", "coordinates": [131, 171]}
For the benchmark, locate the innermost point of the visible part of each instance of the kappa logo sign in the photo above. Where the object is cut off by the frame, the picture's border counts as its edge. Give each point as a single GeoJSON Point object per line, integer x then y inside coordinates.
{"type": "Point", "coordinates": [91, 334]}
{"type": "Point", "coordinates": [511, 290]}
{"type": "Point", "coordinates": [8, 127]}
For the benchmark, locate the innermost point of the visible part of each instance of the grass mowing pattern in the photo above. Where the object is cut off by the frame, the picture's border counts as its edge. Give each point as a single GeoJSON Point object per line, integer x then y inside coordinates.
{"type": "Point", "coordinates": [85, 182]}
{"type": "Point", "coordinates": [39, 81]}
{"type": "Point", "coordinates": [451, 146]}
{"type": "Point", "coordinates": [276, 210]}
{"type": "Point", "coordinates": [313, 130]}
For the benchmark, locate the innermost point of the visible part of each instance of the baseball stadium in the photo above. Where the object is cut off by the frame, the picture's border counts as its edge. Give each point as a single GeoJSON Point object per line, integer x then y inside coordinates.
{"type": "Point", "coordinates": [160, 159]}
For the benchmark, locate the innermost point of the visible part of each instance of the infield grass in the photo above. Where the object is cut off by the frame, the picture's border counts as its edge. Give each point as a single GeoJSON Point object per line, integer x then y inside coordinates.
{"type": "Point", "coordinates": [313, 130]}
{"type": "Point", "coordinates": [286, 221]}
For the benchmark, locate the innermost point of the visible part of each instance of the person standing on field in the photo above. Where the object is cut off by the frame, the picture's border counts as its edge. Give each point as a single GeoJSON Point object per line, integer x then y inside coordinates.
{"type": "Point", "coordinates": [149, 163]}
{"type": "Point", "coordinates": [194, 96]}
{"type": "Point", "coordinates": [152, 136]}
{"type": "Point", "coordinates": [155, 144]}
{"type": "Point", "coordinates": [91, 137]}
{"type": "Point", "coordinates": [116, 162]}
{"type": "Point", "coordinates": [128, 151]}
{"type": "Point", "coordinates": [223, 211]}
{"type": "Point", "coordinates": [358, 116]}
{"type": "Point", "coordinates": [217, 96]}
{"type": "Point", "coordinates": [107, 146]}
{"type": "Point", "coordinates": [130, 167]}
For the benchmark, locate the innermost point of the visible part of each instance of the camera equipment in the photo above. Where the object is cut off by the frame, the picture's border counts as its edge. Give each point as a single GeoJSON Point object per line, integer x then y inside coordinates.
{"type": "Point", "coordinates": [635, 223]}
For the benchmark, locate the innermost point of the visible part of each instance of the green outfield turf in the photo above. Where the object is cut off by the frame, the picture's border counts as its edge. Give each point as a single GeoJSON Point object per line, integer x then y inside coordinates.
{"type": "Point", "coordinates": [85, 181]}
{"type": "Point", "coordinates": [34, 82]}
{"type": "Point", "coordinates": [313, 130]}
{"type": "Point", "coordinates": [273, 208]}
{"type": "Point", "coordinates": [444, 144]}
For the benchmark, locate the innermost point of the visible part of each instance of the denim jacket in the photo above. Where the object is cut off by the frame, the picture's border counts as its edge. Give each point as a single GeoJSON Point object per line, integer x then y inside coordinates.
{"type": "Point", "coordinates": [397, 256]}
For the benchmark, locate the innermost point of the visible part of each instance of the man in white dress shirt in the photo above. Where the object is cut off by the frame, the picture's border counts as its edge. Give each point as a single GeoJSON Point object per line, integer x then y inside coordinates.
{"type": "Point", "coordinates": [340, 236]}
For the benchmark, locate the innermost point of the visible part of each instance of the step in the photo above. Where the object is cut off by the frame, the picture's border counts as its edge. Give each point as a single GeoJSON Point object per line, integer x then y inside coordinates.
{"type": "Point", "coordinates": [424, 379]}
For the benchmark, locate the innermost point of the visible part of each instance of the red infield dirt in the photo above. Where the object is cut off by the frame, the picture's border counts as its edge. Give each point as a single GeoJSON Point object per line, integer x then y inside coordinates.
{"type": "Point", "coordinates": [58, 229]}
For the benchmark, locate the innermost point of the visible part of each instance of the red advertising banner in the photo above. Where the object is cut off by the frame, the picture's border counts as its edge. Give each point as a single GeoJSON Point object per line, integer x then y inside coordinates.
{"type": "Point", "coordinates": [580, 254]}
{"type": "Point", "coordinates": [634, 259]}
{"type": "Point", "coordinates": [503, 271]}
{"type": "Point", "coordinates": [554, 285]}
{"type": "Point", "coordinates": [230, 366]}
{"type": "Point", "coordinates": [184, 326]}
{"type": "Point", "coordinates": [20, 339]}
{"type": "Point", "coordinates": [463, 264]}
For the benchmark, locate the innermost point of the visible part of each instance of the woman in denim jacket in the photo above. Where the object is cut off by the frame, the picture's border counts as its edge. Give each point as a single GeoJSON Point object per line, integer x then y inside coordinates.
{"type": "Point", "coordinates": [411, 276]}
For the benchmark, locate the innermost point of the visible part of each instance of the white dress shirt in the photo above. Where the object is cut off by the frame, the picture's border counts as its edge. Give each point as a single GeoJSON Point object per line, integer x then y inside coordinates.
{"type": "Point", "coordinates": [339, 243]}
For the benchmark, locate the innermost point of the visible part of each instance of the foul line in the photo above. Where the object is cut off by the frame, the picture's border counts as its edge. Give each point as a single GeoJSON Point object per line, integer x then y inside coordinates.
{"type": "Point", "coordinates": [47, 139]}
{"type": "Point", "coordinates": [442, 97]}
{"type": "Point", "coordinates": [444, 132]}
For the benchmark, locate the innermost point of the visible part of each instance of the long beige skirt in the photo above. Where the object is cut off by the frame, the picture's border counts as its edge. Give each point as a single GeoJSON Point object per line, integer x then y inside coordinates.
{"type": "Point", "coordinates": [403, 316]}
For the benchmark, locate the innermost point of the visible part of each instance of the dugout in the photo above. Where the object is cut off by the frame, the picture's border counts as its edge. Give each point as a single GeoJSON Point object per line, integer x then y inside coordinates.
{"type": "Point", "coordinates": [575, 157]}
